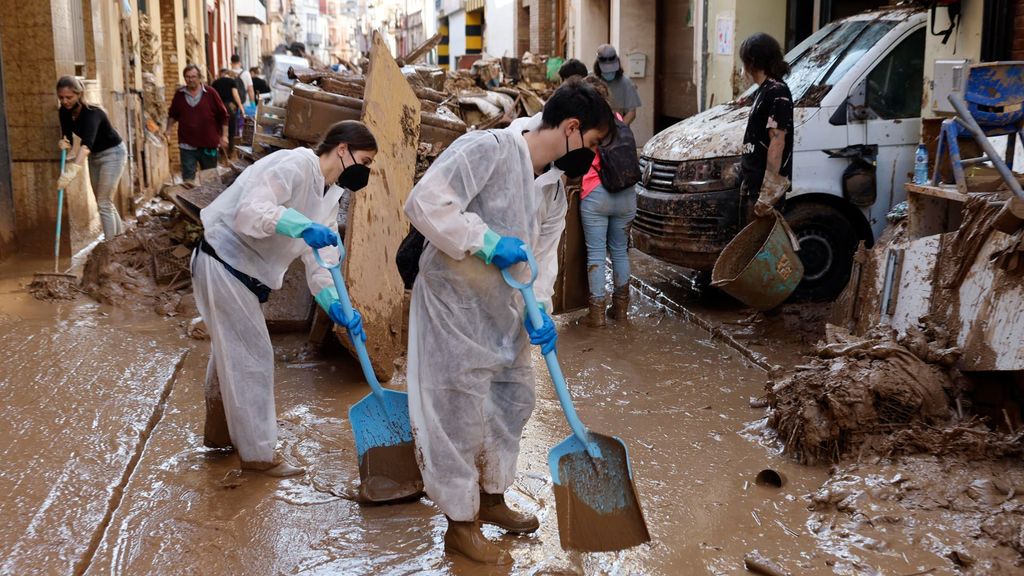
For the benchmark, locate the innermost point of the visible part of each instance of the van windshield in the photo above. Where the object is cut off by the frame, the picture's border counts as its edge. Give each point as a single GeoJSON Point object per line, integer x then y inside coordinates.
{"type": "Point", "coordinates": [833, 50]}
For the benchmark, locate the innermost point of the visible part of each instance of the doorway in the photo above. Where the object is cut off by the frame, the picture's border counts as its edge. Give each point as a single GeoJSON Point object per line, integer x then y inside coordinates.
{"type": "Point", "coordinates": [675, 93]}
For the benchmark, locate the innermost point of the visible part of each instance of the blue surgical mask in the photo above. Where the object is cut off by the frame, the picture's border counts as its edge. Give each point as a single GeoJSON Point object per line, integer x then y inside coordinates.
{"type": "Point", "coordinates": [609, 76]}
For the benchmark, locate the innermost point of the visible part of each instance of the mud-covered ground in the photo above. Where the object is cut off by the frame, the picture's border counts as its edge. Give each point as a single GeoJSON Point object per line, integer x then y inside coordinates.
{"type": "Point", "coordinates": [106, 474]}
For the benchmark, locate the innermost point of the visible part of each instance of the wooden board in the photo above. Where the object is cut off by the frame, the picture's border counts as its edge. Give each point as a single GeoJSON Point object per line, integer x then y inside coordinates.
{"type": "Point", "coordinates": [572, 288]}
{"type": "Point", "coordinates": [290, 309]}
{"type": "Point", "coordinates": [376, 222]}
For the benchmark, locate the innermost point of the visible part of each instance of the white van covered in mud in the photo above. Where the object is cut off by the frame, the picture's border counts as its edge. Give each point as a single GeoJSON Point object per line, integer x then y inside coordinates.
{"type": "Point", "coordinates": [857, 85]}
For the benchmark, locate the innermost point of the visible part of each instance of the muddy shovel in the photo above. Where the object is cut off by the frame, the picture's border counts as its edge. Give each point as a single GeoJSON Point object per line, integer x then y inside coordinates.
{"type": "Point", "coordinates": [596, 501]}
{"type": "Point", "coordinates": [380, 423]}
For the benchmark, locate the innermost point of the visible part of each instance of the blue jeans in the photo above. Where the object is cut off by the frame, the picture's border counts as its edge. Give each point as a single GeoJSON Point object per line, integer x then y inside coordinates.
{"type": "Point", "coordinates": [105, 170]}
{"type": "Point", "coordinates": [201, 157]}
{"type": "Point", "coordinates": [606, 218]}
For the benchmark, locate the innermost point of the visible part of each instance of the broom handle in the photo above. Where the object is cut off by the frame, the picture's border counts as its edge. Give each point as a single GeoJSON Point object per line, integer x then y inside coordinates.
{"type": "Point", "coordinates": [60, 213]}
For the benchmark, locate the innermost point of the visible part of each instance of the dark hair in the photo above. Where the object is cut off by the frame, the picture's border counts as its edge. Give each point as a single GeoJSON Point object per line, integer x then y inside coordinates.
{"type": "Point", "coordinates": [598, 73]}
{"type": "Point", "coordinates": [235, 58]}
{"type": "Point", "coordinates": [599, 85]}
{"type": "Point", "coordinates": [351, 132]}
{"type": "Point", "coordinates": [254, 70]}
{"type": "Point", "coordinates": [76, 86]}
{"type": "Point", "coordinates": [192, 67]}
{"type": "Point", "coordinates": [572, 67]}
{"type": "Point", "coordinates": [577, 99]}
{"type": "Point", "coordinates": [762, 52]}
{"type": "Point", "coordinates": [224, 71]}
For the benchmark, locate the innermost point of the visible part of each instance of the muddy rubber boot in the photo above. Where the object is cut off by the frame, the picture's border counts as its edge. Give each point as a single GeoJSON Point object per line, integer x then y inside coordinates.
{"type": "Point", "coordinates": [620, 303]}
{"type": "Point", "coordinates": [494, 511]}
{"type": "Point", "coordinates": [466, 539]}
{"type": "Point", "coordinates": [279, 468]}
{"type": "Point", "coordinates": [595, 316]}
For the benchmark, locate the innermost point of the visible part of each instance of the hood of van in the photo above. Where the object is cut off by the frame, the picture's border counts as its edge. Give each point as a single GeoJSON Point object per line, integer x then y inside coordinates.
{"type": "Point", "coordinates": [714, 133]}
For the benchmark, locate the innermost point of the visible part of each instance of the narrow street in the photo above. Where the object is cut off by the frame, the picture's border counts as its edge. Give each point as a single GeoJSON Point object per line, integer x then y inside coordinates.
{"type": "Point", "coordinates": [108, 474]}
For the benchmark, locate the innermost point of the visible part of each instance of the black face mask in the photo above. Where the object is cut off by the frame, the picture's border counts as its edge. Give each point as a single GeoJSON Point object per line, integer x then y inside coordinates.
{"type": "Point", "coordinates": [355, 176]}
{"type": "Point", "coordinates": [575, 163]}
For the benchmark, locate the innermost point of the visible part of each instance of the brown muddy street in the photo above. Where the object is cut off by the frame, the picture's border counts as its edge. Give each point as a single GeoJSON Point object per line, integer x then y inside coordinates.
{"type": "Point", "coordinates": [106, 473]}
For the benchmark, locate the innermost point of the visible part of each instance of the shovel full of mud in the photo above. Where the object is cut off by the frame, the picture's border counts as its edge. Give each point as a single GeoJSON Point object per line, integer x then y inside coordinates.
{"type": "Point", "coordinates": [596, 501]}
{"type": "Point", "coordinates": [380, 423]}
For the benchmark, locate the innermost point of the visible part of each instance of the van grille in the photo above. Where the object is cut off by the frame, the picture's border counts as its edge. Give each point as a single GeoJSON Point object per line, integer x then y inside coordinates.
{"type": "Point", "coordinates": [662, 174]}
{"type": "Point", "coordinates": [691, 228]}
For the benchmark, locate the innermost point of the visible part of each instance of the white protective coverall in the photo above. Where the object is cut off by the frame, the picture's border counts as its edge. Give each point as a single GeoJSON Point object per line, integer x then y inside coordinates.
{"type": "Point", "coordinates": [471, 383]}
{"type": "Point", "coordinates": [240, 225]}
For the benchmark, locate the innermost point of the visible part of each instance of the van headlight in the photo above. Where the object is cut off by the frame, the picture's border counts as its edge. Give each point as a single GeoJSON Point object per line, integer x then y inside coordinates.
{"type": "Point", "coordinates": [708, 175]}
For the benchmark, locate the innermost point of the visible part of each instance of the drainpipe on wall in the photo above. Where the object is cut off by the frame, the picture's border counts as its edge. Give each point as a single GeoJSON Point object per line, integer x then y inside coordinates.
{"type": "Point", "coordinates": [127, 95]}
{"type": "Point", "coordinates": [703, 76]}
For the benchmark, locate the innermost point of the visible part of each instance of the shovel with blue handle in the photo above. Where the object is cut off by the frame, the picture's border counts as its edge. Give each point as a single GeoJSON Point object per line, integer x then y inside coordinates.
{"type": "Point", "coordinates": [596, 501]}
{"type": "Point", "coordinates": [380, 423]}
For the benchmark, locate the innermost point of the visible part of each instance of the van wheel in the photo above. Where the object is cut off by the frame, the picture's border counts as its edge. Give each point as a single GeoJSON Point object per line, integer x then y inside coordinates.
{"type": "Point", "coordinates": [827, 243]}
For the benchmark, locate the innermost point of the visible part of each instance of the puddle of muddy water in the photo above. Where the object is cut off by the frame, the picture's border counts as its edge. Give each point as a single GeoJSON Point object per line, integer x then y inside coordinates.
{"type": "Point", "coordinates": [679, 400]}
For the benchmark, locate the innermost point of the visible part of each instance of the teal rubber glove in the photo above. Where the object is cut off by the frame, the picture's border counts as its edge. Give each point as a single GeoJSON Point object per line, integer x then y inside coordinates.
{"type": "Point", "coordinates": [545, 336]}
{"type": "Point", "coordinates": [502, 251]}
{"type": "Point", "coordinates": [294, 224]}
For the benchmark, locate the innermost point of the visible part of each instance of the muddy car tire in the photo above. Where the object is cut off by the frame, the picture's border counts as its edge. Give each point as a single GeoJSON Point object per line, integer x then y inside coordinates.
{"type": "Point", "coordinates": [827, 243]}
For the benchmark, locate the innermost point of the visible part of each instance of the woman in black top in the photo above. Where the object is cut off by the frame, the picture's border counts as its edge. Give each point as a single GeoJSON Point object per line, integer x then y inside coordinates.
{"type": "Point", "coordinates": [767, 163]}
{"type": "Point", "coordinates": [100, 144]}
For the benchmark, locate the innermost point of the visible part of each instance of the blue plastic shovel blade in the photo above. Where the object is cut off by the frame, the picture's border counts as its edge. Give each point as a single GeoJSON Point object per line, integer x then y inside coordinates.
{"type": "Point", "coordinates": [596, 501]}
{"type": "Point", "coordinates": [375, 425]}
{"type": "Point", "coordinates": [387, 456]}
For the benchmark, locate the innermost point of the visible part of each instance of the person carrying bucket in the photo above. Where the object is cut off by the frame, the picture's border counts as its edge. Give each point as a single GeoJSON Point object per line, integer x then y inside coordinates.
{"type": "Point", "coordinates": [471, 383]}
{"type": "Point", "coordinates": [767, 162]}
{"type": "Point", "coordinates": [276, 210]}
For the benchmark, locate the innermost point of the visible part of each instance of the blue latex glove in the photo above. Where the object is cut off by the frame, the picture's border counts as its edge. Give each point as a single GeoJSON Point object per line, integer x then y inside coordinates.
{"type": "Point", "coordinates": [545, 336]}
{"type": "Point", "coordinates": [319, 236]}
{"type": "Point", "coordinates": [507, 252]}
{"type": "Point", "coordinates": [355, 325]}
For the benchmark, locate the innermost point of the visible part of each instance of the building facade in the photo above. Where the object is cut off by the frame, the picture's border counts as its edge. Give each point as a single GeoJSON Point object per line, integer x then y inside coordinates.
{"type": "Point", "coordinates": [130, 55]}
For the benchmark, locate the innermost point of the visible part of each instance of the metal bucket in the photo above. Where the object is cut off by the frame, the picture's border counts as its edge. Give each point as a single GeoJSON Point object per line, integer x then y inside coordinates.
{"type": "Point", "coordinates": [760, 266]}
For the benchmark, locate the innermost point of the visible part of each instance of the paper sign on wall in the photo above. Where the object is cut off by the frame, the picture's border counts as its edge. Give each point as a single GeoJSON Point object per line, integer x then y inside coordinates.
{"type": "Point", "coordinates": [725, 31]}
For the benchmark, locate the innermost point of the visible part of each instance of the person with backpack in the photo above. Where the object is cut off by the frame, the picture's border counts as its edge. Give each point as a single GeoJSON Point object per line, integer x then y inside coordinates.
{"type": "Point", "coordinates": [607, 208]}
{"type": "Point", "coordinates": [486, 198]}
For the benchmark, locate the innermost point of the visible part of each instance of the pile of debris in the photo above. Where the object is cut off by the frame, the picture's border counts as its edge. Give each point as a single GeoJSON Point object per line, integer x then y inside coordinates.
{"type": "Point", "coordinates": [866, 393]}
{"type": "Point", "coordinates": [147, 266]}
{"type": "Point", "coordinates": [491, 94]}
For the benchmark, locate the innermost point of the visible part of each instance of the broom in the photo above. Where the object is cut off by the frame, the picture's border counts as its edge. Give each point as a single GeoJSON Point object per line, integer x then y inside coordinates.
{"type": "Point", "coordinates": [54, 285]}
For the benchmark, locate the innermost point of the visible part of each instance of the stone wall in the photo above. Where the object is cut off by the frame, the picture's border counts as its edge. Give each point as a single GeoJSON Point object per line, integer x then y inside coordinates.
{"type": "Point", "coordinates": [39, 41]}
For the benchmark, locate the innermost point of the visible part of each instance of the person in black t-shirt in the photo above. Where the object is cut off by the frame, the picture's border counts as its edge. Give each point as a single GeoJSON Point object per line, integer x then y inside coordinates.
{"type": "Point", "coordinates": [767, 163]}
{"type": "Point", "coordinates": [227, 88]}
{"type": "Point", "coordinates": [259, 85]}
{"type": "Point", "coordinates": [100, 144]}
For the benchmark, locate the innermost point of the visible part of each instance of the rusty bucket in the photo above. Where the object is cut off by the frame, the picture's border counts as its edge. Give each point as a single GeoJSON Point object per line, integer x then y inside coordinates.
{"type": "Point", "coordinates": [760, 266]}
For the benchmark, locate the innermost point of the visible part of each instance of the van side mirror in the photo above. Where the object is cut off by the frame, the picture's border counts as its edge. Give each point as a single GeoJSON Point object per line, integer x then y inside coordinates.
{"type": "Point", "coordinates": [856, 105]}
{"type": "Point", "coordinates": [839, 117]}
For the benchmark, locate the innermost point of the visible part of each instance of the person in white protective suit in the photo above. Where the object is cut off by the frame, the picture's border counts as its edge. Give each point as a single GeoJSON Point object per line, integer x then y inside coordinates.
{"type": "Point", "coordinates": [280, 208]}
{"type": "Point", "coordinates": [471, 383]}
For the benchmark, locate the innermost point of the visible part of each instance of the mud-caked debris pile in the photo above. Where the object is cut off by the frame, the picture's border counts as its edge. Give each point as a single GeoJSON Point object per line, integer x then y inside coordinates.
{"type": "Point", "coordinates": [856, 392]}
{"type": "Point", "coordinates": [147, 266]}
